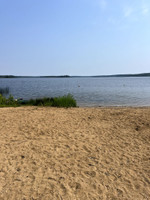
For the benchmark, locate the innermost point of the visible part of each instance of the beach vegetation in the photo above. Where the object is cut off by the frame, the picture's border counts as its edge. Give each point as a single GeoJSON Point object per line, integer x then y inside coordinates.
{"type": "Point", "coordinates": [5, 102]}
{"type": "Point", "coordinates": [63, 101]}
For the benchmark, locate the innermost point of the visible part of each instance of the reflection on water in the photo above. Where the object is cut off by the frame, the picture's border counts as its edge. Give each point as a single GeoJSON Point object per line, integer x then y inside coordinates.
{"type": "Point", "coordinates": [114, 91]}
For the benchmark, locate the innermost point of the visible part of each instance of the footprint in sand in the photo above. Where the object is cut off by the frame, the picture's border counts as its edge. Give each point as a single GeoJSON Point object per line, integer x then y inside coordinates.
{"type": "Point", "coordinates": [90, 173]}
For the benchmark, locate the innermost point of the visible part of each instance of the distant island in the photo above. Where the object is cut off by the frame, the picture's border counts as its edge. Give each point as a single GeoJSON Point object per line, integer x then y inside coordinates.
{"type": "Point", "coordinates": [67, 76]}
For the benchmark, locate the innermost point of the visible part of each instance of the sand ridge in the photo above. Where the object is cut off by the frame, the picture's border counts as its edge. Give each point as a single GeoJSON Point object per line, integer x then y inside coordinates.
{"type": "Point", "coordinates": [75, 153]}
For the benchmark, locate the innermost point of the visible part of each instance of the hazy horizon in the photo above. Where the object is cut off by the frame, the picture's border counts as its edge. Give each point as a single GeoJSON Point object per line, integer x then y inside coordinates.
{"type": "Point", "coordinates": [76, 38]}
{"type": "Point", "coordinates": [67, 75]}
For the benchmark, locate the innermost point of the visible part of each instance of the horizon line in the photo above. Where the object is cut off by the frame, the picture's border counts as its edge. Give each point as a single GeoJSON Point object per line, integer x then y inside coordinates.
{"type": "Point", "coordinates": [69, 76]}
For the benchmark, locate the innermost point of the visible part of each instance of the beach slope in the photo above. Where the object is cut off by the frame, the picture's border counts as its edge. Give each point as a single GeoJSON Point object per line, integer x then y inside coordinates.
{"type": "Point", "coordinates": [75, 153]}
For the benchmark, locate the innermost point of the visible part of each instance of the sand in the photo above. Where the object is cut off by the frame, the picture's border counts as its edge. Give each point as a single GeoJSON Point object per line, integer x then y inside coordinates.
{"type": "Point", "coordinates": [75, 153]}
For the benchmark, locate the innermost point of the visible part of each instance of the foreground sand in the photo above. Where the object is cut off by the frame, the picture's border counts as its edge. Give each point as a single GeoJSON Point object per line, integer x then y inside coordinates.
{"type": "Point", "coordinates": [81, 153]}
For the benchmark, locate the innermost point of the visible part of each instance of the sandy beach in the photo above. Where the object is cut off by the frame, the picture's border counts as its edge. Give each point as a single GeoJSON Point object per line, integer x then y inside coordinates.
{"type": "Point", "coordinates": [75, 153]}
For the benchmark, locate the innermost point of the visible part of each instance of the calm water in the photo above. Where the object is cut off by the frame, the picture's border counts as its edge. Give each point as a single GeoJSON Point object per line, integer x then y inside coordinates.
{"type": "Point", "coordinates": [87, 91]}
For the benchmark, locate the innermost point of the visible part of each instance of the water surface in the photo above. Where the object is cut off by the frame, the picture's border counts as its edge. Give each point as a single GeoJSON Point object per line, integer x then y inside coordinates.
{"type": "Point", "coordinates": [108, 91]}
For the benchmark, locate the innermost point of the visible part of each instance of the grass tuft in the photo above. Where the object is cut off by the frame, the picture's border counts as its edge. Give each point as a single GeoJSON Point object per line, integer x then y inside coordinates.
{"type": "Point", "coordinates": [64, 101]}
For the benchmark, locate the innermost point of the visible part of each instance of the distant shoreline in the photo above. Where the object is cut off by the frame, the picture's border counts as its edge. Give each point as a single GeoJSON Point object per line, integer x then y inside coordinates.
{"type": "Point", "coordinates": [67, 76]}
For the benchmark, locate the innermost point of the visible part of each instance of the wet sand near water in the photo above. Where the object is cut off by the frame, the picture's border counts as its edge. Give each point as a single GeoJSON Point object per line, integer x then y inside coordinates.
{"type": "Point", "coordinates": [74, 153]}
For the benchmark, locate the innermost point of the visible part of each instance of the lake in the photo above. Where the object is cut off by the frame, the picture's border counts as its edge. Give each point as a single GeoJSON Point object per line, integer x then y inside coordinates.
{"type": "Point", "coordinates": [106, 91]}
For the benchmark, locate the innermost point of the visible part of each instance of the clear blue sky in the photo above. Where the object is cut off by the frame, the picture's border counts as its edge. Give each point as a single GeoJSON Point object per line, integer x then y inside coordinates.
{"type": "Point", "coordinates": [74, 37]}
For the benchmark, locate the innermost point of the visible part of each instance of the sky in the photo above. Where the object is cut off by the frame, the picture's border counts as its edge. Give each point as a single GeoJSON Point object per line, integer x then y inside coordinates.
{"type": "Point", "coordinates": [74, 37]}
